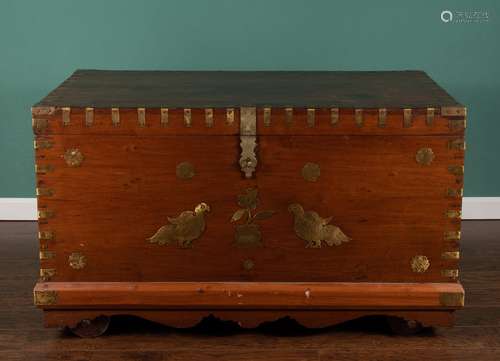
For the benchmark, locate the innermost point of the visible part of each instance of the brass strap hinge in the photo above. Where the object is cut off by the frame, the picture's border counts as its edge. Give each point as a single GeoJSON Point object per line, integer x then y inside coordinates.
{"type": "Point", "coordinates": [248, 140]}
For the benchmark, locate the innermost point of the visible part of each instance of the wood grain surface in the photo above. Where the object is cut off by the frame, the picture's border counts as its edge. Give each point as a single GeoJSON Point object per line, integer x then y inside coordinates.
{"type": "Point", "coordinates": [476, 335]}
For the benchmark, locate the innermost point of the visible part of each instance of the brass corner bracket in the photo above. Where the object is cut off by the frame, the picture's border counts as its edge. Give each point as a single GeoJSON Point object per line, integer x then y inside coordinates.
{"type": "Point", "coordinates": [449, 299]}
{"type": "Point", "coordinates": [44, 298]}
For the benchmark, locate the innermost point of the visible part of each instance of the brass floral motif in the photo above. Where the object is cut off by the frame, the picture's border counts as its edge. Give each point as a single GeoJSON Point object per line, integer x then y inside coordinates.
{"type": "Point", "coordinates": [248, 264]}
{"type": "Point", "coordinates": [77, 260]}
{"type": "Point", "coordinates": [313, 229]}
{"type": "Point", "coordinates": [419, 264]}
{"type": "Point", "coordinates": [248, 234]}
{"type": "Point", "coordinates": [424, 156]}
{"type": "Point", "coordinates": [183, 229]}
{"type": "Point", "coordinates": [311, 172]}
{"type": "Point", "coordinates": [73, 157]}
{"type": "Point", "coordinates": [185, 170]}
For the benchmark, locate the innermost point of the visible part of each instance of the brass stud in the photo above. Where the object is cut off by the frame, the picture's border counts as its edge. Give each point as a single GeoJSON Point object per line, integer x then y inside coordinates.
{"type": "Point", "coordinates": [42, 144]}
{"type": "Point", "coordinates": [311, 172]}
{"type": "Point", "coordinates": [358, 117]}
{"type": "Point", "coordinates": [43, 169]}
{"type": "Point", "coordinates": [66, 115]}
{"type": "Point", "coordinates": [209, 117]}
{"type": "Point", "coordinates": [311, 117]}
{"type": "Point", "coordinates": [248, 264]}
{"type": "Point", "coordinates": [77, 260]}
{"type": "Point", "coordinates": [46, 274]}
{"type": "Point", "coordinates": [185, 170]}
{"type": "Point", "coordinates": [73, 157]}
{"type": "Point", "coordinates": [450, 273]}
{"type": "Point", "coordinates": [229, 116]}
{"type": "Point", "coordinates": [288, 116]}
{"type": "Point", "coordinates": [334, 116]}
{"type": "Point", "coordinates": [424, 156]}
{"type": "Point", "coordinates": [164, 117]}
{"type": "Point", "coordinates": [45, 214]}
{"type": "Point", "coordinates": [407, 118]}
{"type": "Point", "coordinates": [44, 298]}
{"type": "Point", "coordinates": [89, 116]}
{"type": "Point", "coordinates": [267, 117]}
{"type": "Point", "coordinates": [454, 193]}
{"type": "Point", "coordinates": [452, 255]}
{"type": "Point", "coordinates": [458, 144]}
{"type": "Point", "coordinates": [46, 255]}
{"type": "Point", "coordinates": [115, 116]}
{"type": "Point", "coordinates": [429, 120]}
{"type": "Point", "coordinates": [457, 170]}
{"type": "Point", "coordinates": [46, 235]}
{"type": "Point", "coordinates": [44, 192]}
{"type": "Point", "coordinates": [452, 235]}
{"type": "Point", "coordinates": [141, 117]}
{"type": "Point", "coordinates": [382, 117]}
{"type": "Point", "coordinates": [452, 213]}
{"type": "Point", "coordinates": [419, 264]}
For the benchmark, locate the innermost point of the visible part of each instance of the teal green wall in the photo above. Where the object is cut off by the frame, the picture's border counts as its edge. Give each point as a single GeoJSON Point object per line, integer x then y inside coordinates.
{"type": "Point", "coordinates": [42, 42]}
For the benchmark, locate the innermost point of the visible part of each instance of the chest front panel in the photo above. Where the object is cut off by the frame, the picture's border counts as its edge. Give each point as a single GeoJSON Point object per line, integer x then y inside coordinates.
{"type": "Point", "coordinates": [336, 205]}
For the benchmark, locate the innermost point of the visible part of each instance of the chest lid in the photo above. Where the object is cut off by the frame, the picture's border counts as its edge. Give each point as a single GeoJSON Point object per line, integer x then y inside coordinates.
{"type": "Point", "coordinates": [285, 103]}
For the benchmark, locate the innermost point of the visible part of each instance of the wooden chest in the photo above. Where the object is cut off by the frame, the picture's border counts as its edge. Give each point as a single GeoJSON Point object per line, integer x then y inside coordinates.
{"type": "Point", "coordinates": [323, 196]}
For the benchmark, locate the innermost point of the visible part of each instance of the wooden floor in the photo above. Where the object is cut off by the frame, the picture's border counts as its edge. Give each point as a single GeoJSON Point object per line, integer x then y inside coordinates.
{"type": "Point", "coordinates": [475, 337]}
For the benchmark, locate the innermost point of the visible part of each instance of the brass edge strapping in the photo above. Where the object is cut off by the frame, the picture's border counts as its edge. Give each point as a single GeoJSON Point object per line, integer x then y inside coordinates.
{"type": "Point", "coordinates": [382, 117]}
{"type": "Point", "coordinates": [66, 115]}
{"type": "Point", "coordinates": [288, 116]}
{"type": "Point", "coordinates": [43, 169]}
{"type": "Point", "coordinates": [43, 110]}
{"type": "Point", "coordinates": [45, 214]}
{"type": "Point", "coordinates": [229, 116]}
{"type": "Point", "coordinates": [358, 117]}
{"type": "Point", "coordinates": [429, 120]}
{"type": "Point", "coordinates": [46, 235]}
{"type": "Point", "coordinates": [209, 117]}
{"type": "Point", "coordinates": [44, 192]}
{"type": "Point", "coordinates": [46, 274]}
{"type": "Point", "coordinates": [187, 117]}
{"type": "Point", "coordinates": [453, 255]}
{"type": "Point", "coordinates": [452, 235]}
{"type": "Point", "coordinates": [311, 117]}
{"type": "Point", "coordinates": [455, 124]}
{"type": "Point", "coordinates": [449, 299]}
{"type": "Point", "coordinates": [453, 111]}
{"type": "Point", "coordinates": [455, 193]}
{"type": "Point", "coordinates": [141, 117]}
{"type": "Point", "coordinates": [44, 298]}
{"type": "Point", "coordinates": [407, 118]}
{"type": "Point", "coordinates": [164, 117]}
{"type": "Point", "coordinates": [42, 144]}
{"type": "Point", "coordinates": [334, 116]}
{"type": "Point", "coordinates": [89, 117]}
{"type": "Point", "coordinates": [267, 117]}
{"type": "Point", "coordinates": [452, 213]}
{"type": "Point", "coordinates": [45, 255]}
{"type": "Point", "coordinates": [39, 125]}
{"type": "Point", "coordinates": [458, 144]}
{"type": "Point", "coordinates": [450, 273]}
{"type": "Point", "coordinates": [115, 116]}
{"type": "Point", "coordinates": [457, 170]}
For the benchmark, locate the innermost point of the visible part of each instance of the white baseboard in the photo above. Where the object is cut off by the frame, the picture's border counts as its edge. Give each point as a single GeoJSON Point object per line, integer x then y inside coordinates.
{"type": "Point", "coordinates": [24, 209]}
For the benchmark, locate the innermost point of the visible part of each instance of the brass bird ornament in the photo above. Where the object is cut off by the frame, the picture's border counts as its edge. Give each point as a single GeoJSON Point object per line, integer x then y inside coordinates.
{"type": "Point", "coordinates": [183, 229]}
{"type": "Point", "coordinates": [313, 229]}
